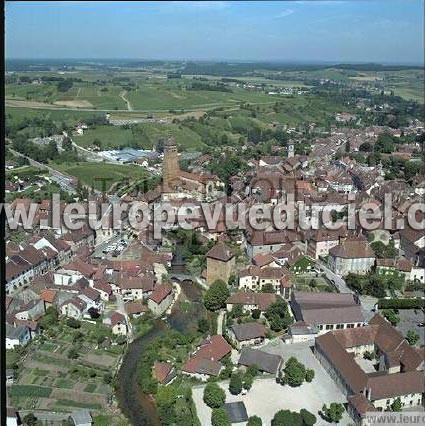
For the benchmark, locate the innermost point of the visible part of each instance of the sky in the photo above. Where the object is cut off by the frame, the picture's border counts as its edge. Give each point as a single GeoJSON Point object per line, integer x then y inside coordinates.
{"type": "Point", "coordinates": [380, 31]}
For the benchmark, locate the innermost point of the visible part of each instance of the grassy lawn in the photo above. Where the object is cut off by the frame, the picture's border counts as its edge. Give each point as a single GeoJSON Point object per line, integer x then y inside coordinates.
{"type": "Point", "coordinates": [145, 136]}
{"type": "Point", "coordinates": [110, 137]}
{"type": "Point", "coordinates": [304, 283]}
{"type": "Point", "coordinates": [90, 173]}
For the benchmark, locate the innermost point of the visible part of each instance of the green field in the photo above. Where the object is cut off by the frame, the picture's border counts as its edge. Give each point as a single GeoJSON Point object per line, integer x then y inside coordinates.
{"type": "Point", "coordinates": [146, 136]}
{"type": "Point", "coordinates": [90, 173]}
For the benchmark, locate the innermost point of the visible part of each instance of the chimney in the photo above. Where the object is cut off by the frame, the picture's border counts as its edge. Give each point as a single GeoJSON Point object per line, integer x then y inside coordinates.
{"type": "Point", "coordinates": [368, 394]}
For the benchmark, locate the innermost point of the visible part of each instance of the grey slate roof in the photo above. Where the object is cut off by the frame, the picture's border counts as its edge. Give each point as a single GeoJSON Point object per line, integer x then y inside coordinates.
{"type": "Point", "coordinates": [248, 331]}
{"type": "Point", "coordinates": [265, 362]}
{"type": "Point", "coordinates": [236, 411]}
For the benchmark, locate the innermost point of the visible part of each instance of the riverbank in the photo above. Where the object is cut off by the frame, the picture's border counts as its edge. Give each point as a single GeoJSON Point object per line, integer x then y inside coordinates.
{"type": "Point", "coordinates": [139, 408]}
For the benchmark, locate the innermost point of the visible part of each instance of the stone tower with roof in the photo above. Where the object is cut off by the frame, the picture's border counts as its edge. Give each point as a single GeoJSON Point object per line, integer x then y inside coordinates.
{"type": "Point", "coordinates": [170, 166]}
{"type": "Point", "coordinates": [220, 263]}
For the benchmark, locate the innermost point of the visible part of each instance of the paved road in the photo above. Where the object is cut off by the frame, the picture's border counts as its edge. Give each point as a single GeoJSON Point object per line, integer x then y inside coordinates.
{"type": "Point", "coordinates": [205, 107]}
{"type": "Point", "coordinates": [340, 284]}
{"type": "Point", "coordinates": [45, 416]}
{"type": "Point", "coordinates": [61, 178]}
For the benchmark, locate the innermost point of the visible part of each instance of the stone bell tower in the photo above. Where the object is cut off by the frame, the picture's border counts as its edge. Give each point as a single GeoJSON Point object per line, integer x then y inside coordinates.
{"type": "Point", "coordinates": [170, 165]}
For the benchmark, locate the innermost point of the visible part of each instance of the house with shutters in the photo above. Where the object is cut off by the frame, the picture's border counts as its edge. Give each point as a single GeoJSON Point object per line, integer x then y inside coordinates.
{"type": "Point", "coordinates": [352, 256]}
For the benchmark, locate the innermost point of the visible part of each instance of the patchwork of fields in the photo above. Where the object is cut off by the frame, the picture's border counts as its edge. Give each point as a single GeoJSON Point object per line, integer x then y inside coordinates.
{"type": "Point", "coordinates": [52, 381]}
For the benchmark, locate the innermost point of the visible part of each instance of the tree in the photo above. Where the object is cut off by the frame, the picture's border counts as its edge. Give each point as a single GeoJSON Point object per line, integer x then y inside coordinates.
{"type": "Point", "coordinates": [255, 314]}
{"type": "Point", "coordinates": [73, 353]}
{"type": "Point", "coordinates": [384, 251]}
{"type": "Point", "coordinates": [366, 147]}
{"type": "Point", "coordinates": [93, 312]}
{"type": "Point", "coordinates": [30, 419]}
{"type": "Point", "coordinates": [219, 417]}
{"type": "Point", "coordinates": [309, 419]}
{"type": "Point", "coordinates": [214, 396]}
{"type": "Point", "coordinates": [73, 323]}
{"type": "Point", "coordinates": [268, 288]}
{"type": "Point", "coordinates": [385, 143]}
{"type": "Point", "coordinates": [396, 405]}
{"type": "Point", "coordinates": [252, 370]}
{"type": "Point", "coordinates": [412, 337]}
{"type": "Point", "coordinates": [107, 378]}
{"type": "Point", "coordinates": [294, 372]}
{"type": "Point", "coordinates": [203, 325]}
{"type": "Point", "coordinates": [49, 318]}
{"type": "Point", "coordinates": [391, 316]}
{"type": "Point", "coordinates": [254, 421]}
{"type": "Point", "coordinates": [166, 398]}
{"type": "Point", "coordinates": [235, 385]}
{"type": "Point", "coordinates": [334, 412]}
{"type": "Point", "coordinates": [248, 380]}
{"type": "Point", "coordinates": [309, 375]}
{"type": "Point", "coordinates": [237, 310]}
{"type": "Point", "coordinates": [287, 418]}
{"type": "Point", "coordinates": [232, 280]}
{"type": "Point", "coordinates": [278, 316]}
{"type": "Point", "coordinates": [216, 296]}
{"type": "Point", "coordinates": [97, 142]}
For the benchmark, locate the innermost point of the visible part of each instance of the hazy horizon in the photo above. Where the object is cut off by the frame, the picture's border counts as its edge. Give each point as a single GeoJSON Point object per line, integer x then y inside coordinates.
{"type": "Point", "coordinates": [221, 60]}
{"type": "Point", "coordinates": [339, 31]}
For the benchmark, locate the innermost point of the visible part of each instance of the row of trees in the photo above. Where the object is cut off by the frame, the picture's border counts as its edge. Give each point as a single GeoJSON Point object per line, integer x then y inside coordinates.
{"type": "Point", "coordinates": [374, 284]}
{"type": "Point", "coordinates": [292, 418]}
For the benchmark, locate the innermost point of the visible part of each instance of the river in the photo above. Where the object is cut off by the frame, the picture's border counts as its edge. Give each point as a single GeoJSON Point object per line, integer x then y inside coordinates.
{"type": "Point", "coordinates": [137, 406]}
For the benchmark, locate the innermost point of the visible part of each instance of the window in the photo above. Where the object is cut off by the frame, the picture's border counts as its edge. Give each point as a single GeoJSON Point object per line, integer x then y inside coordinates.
{"type": "Point", "coordinates": [350, 325]}
{"type": "Point", "coordinates": [329, 327]}
{"type": "Point", "coordinates": [388, 402]}
{"type": "Point", "coordinates": [339, 326]}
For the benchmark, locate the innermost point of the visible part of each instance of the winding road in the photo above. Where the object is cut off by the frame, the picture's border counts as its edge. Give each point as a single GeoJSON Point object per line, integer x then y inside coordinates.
{"type": "Point", "coordinates": [122, 96]}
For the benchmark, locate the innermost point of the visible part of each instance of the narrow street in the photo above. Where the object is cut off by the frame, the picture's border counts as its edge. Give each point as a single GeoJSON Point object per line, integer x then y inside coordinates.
{"type": "Point", "coordinates": [220, 321]}
{"type": "Point", "coordinates": [338, 281]}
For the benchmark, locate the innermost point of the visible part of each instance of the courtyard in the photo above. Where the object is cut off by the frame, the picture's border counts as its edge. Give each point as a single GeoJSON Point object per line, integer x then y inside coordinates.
{"type": "Point", "coordinates": [266, 397]}
{"type": "Point", "coordinates": [409, 320]}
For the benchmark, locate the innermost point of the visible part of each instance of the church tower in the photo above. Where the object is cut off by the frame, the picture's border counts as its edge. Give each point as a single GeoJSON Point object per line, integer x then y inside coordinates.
{"type": "Point", "coordinates": [170, 165]}
{"type": "Point", "coordinates": [291, 150]}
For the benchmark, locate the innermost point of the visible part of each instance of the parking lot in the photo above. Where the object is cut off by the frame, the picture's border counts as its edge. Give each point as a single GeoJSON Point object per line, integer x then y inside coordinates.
{"type": "Point", "coordinates": [409, 320]}
{"type": "Point", "coordinates": [266, 397]}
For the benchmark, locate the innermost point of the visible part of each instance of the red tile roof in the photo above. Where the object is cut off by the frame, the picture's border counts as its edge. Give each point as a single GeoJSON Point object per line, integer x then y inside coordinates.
{"type": "Point", "coordinates": [220, 252]}
{"type": "Point", "coordinates": [116, 318]}
{"type": "Point", "coordinates": [160, 292]}
{"type": "Point", "coordinates": [48, 295]}
{"type": "Point", "coordinates": [161, 371]}
{"type": "Point", "coordinates": [206, 359]}
{"type": "Point", "coordinates": [135, 308]}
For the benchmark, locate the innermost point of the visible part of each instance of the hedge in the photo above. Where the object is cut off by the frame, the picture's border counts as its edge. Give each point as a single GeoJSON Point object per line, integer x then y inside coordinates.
{"type": "Point", "coordinates": [401, 303]}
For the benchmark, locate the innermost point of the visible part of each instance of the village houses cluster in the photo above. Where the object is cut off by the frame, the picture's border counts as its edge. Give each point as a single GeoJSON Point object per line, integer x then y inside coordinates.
{"type": "Point", "coordinates": [64, 270]}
